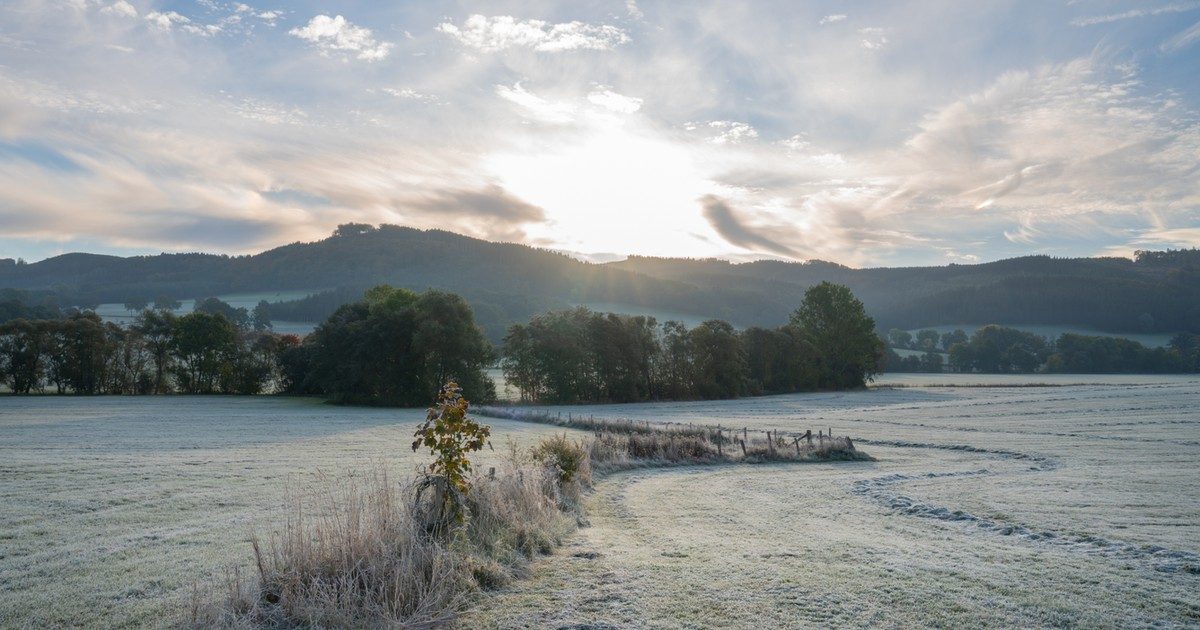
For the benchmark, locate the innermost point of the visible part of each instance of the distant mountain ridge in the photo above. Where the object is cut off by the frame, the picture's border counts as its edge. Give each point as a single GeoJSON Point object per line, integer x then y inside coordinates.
{"type": "Point", "coordinates": [507, 282]}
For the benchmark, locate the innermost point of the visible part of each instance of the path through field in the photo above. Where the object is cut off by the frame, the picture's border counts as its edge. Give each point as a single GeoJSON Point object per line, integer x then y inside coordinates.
{"type": "Point", "coordinates": [1052, 506]}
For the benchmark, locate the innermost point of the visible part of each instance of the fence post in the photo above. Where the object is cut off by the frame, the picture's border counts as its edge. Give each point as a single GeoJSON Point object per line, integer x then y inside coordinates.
{"type": "Point", "coordinates": [796, 443]}
{"type": "Point", "coordinates": [743, 443]}
{"type": "Point", "coordinates": [745, 434]}
{"type": "Point", "coordinates": [808, 436]}
{"type": "Point", "coordinates": [719, 438]}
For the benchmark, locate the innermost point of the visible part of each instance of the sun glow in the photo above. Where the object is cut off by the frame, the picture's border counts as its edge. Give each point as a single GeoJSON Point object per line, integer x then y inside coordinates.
{"type": "Point", "coordinates": [616, 187]}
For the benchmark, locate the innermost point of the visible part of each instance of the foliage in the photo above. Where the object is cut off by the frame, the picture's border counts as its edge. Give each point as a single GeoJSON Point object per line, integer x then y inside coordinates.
{"type": "Point", "coordinates": [566, 457]}
{"type": "Point", "coordinates": [837, 325]}
{"type": "Point", "coordinates": [451, 436]}
{"type": "Point", "coordinates": [395, 347]}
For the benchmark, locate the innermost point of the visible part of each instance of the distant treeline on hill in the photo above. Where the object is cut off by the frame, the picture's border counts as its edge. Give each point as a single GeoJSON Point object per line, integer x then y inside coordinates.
{"type": "Point", "coordinates": [1000, 350]}
{"type": "Point", "coordinates": [507, 283]}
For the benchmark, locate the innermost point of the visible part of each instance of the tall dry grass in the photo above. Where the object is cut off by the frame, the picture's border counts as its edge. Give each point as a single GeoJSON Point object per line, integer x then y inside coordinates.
{"type": "Point", "coordinates": [364, 553]}
{"type": "Point", "coordinates": [368, 551]}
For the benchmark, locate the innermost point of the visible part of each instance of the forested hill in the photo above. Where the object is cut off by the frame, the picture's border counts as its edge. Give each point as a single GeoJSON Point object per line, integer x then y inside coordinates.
{"type": "Point", "coordinates": [506, 283]}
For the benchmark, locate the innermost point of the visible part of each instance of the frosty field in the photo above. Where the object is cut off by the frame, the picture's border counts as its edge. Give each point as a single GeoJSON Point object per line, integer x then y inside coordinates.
{"type": "Point", "coordinates": [111, 507]}
{"type": "Point", "coordinates": [1007, 506]}
{"type": "Point", "coordinates": [1074, 504]}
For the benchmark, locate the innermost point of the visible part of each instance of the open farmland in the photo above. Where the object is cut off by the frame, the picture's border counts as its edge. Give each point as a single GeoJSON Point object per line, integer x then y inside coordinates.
{"type": "Point", "coordinates": [110, 508]}
{"type": "Point", "coordinates": [1072, 504]}
{"type": "Point", "coordinates": [1006, 506]}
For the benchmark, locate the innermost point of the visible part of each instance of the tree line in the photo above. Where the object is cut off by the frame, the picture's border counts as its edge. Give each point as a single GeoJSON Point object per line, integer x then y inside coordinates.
{"type": "Point", "coordinates": [197, 353]}
{"type": "Point", "coordinates": [1002, 350]}
{"type": "Point", "coordinates": [581, 356]}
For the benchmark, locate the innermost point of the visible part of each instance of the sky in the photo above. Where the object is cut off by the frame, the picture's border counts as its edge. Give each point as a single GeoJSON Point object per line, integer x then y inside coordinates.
{"type": "Point", "coordinates": [863, 133]}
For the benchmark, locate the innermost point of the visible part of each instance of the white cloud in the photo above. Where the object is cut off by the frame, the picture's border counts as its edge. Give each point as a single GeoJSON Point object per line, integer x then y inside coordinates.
{"type": "Point", "coordinates": [120, 8]}
{"type": "Point", "coordinates": [492, 34]}
{"type": "Point", "coordinates": [631, 7]}
{"type": "Point", "coordinates": [731, 132]}
{"type": "Point", "coordinates": [536, 107]}
{"type": "Point", "coordinates": [270, 17]}
{"type": "Point", "coordinates": [873, 38]}
{"type": "Point", "coordinates": [610, 100]}
{"type": "Point", "coordinates": [164, 21]}
{"type": "Point", "coordinates": [337, 35]}
{"type": "Point", "coordinates": [830, 19]}
{"type": "Point", "coordinates": [1179, 7]}
{"type": "Point", "coordinates": [1181, 40]}
{"type": "Point", "coordinates": [410, 94]}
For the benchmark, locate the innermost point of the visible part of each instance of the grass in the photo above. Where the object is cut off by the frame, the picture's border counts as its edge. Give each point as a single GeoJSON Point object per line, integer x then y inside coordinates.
{"type": "Point", "coordinates": [370, 552]}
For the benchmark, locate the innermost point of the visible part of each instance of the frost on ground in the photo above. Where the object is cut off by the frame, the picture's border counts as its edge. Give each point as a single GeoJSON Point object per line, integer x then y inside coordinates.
{"type": "Point", "coordinates": [1073, 505]}
{"type": "Point", "coordinates": [110, 508]}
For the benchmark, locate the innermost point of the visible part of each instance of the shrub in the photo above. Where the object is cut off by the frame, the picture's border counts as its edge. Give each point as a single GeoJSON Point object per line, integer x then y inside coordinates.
{"type": "Point", "coordinates": [567, 458]}
{"type": "Point", "coordinates": [450, 436]}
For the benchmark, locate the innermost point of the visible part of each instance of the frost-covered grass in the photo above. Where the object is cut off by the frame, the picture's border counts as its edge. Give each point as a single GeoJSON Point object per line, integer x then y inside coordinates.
{"type": "Point", "coordinates": [987, 507]}
{"type": "Point", "coordinates": [111, 507]}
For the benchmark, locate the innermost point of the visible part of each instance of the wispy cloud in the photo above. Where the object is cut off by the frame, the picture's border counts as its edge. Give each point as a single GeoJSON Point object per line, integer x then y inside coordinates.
{"type": "Point", "coordinates": [830, 19]}
{"type": "Point", "coordinates": [1139, 12]}
{"type": "Point", "coordinates": [496, 33]}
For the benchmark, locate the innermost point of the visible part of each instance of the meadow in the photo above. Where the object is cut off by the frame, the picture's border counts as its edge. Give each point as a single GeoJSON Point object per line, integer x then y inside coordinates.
{"type": "Point", "coordinates": [1076, 503]}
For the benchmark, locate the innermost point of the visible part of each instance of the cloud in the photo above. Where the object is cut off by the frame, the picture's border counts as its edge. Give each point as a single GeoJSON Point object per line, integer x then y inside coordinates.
{"type": "Point", "coordinates": [721, 217]}
{"type": "Point", "coordinates": [411, 95]}
{"type": "Point", "coordinates": [1180, 7]}
{"type": "Point", "coordinates": [496, 33]}
{"type": "Point", "coordinates": [170, 19]}
{"type": "Point", "coordinates": [334, 35]}
{"type": "Point", "coordinates": [731, 132]}
{"type": "Point", "coordinates": [536, 107]}
{"type": "Point", "coordinates": [873, 38]}
{"type": "Point", "coordinates": [830, 19]}
{"type": "Point", "coordinates": [487, 212]}
{"type": "Point", "coordinates": [120, 8]}
{"type": "Point", "coordinates": [631, 7]}
{"type": "Point", "coordinates": [1181, 40]}
{"type": "Point", "coordinates": [612, 101]}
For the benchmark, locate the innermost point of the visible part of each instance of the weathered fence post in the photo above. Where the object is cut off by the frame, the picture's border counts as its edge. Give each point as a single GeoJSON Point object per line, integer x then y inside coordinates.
{"type": "Point", "coordinates": [743, 443]}
{"type": "Point", "coordinates": [796, 443]}
{"type": "Point", "coordinates": [808, 436]}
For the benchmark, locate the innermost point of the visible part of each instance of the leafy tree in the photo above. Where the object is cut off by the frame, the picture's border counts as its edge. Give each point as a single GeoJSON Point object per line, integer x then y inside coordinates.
{"type": "Point", "coordinates": [836, 324]}
{"type": "Point", "coordinates": [238, 316]}
{"type": "Point", "coordinates": [927, 340]}
{"type": "Point", "coordinates": [201, 344]}
{"type": "Point", "coordinates": [260, 317]}
{"type": "Point", "coordinates": [451, 436]}
{"type": "Point", "coordinates": [157, 330]}
{"type": "Point", "coordinates": [718, 363]}
{"type": "Point", "coordinates": [951, 338]}
{"type": "Point", "coordinates": [136, 305]}
{"type": "Point", "coordinates": [900, 338]}
{"type": "Point", "coordinates": [167, 303]}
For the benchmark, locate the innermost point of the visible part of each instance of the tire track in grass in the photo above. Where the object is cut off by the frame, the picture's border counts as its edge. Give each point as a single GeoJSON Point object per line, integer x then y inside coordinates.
{"type": "Point", "coordinates": [883, 490]}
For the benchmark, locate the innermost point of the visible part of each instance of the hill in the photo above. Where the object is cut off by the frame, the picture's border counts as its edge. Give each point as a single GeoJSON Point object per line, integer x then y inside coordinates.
{"type": "Point", "coordinates": [506, 282]}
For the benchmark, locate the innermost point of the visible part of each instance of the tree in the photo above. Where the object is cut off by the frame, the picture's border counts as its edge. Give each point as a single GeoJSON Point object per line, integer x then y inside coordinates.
{"type": "Point", "coordinates": [451, 436]}
{"type": "Point", "coordinates": [260, 317]}
{"type": "Point", "coordinates": [157, 330]}
{"type": "Point", "coordinates": [951, 338]}
{"type": "Point", "coordinates": [717, 359]}
{"type": "Point", "coordinates": [136, 305]}
{"type": "Point", "coordinates": [202, 343]}
{"type": "Point", "coordinates": [239, 317]}
{"type": "Point", "coordinates": [927, 340]}
{"type": "Point", "coordinates": [836, 324]}
{"type": "Point", "coordinates": [166, 303]}
{"type": "Point", "coordinates": [900, 338]}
